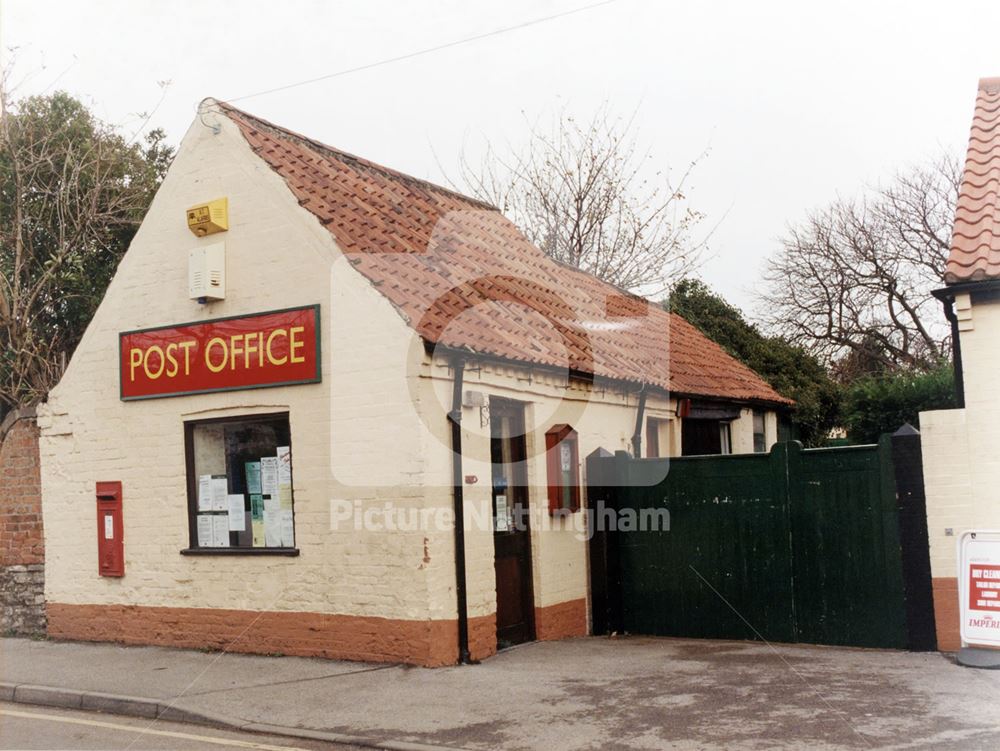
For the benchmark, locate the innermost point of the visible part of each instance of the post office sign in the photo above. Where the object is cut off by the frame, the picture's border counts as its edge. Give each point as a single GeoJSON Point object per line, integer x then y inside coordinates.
{"type": "Point", "coordinates": [275, 348]}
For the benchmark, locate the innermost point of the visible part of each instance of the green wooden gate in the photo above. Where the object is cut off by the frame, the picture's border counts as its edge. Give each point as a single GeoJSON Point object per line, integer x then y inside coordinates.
{"type": "Point", "coordinates": [798, 545]}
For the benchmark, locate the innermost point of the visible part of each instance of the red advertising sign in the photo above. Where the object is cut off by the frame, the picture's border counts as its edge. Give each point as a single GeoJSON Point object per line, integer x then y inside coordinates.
{"type": "Point", "coordinates": [979, 587]}
{"type": "Point", "coordinates": [277, 348]}
{"type": "Point", "coordinates": [984, 587]}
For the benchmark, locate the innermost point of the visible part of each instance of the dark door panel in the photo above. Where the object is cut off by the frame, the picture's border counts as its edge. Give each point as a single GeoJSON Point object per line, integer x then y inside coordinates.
{"type": "Point", "coordinates": [512, 533]}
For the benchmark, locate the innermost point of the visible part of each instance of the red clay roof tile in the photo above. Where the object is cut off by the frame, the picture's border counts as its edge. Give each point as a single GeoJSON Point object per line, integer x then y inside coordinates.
{"type": "Point", "coordinates": [975, 243]}
{"type": "Point", "coordinates": [464, 277]}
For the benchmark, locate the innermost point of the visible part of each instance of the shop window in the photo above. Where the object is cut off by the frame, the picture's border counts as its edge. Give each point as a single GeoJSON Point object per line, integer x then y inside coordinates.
{"type": "Point", "coordinates": [562, 454]}
{"type": "Point", "coordinates": [759, 432]}
{"type": "Point", "coordinates": [239, 478]}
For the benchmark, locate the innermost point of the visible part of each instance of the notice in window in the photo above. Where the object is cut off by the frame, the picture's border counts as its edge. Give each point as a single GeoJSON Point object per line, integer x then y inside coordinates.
{"type": "Point", "coordinates": [269, 475]}
{"type": "Point", "coordinates": [285, 497]}
{"type": "Point", "coordinates": [205, 493]}
{"type": "Point", "coordinates": [253, 477]}
{"type": "Point", "coordinates": [237, 513]}
{"type": "Point", "coordinates": [287, 528]}
{"type": "Point", "coordinates": [220, 489]}
{"type": "Point", "coordinates": [284, 457]}
{"type": "Point", "coordinates": [501, 518]}
{"type": "Point", "coordinates": [257, 519]}
{"type": "Point", "coordinates": [220, 530]}
{"type": "Point", "coordinates": [205, 531]}
{"type": "Point", "coordinates": [272, 523]}
{"type": "Point", "coordinates": [565, 456]}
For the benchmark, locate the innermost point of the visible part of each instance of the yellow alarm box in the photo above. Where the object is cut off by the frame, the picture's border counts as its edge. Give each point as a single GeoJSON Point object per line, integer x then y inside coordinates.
{"type": "Point", "coordinates": [209, 218]}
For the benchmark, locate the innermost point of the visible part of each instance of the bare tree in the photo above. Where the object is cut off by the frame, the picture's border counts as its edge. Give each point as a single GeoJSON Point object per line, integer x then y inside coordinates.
{"type": "Point", "coordinates": [588, 197]}
{"type": "Point", "coordinates": [72, 194]}
{"type": "Point", "coordinates": [854, 280]}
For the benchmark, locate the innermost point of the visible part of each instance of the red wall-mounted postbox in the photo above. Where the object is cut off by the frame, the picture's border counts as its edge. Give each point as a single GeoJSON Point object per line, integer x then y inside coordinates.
{"type": "Point", "coordinates": [110, 540]}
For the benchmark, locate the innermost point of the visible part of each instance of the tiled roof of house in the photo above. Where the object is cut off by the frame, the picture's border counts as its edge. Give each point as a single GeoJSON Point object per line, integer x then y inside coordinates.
{"type": "Point", "coordinates": [464, 277]}
{"type": "Point", "coordinates": [975, 243]}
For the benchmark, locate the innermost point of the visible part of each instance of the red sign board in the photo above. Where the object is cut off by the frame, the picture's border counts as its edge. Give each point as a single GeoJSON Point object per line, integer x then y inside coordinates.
{"type": "Point", "coordinates": [984, 587]}
{"type": "Point", "coordinates": [277, 348]}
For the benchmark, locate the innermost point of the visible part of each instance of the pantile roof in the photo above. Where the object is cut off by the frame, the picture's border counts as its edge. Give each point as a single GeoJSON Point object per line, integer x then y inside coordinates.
{"type": "Point", "coordinates": [463, 276]}
{"type": "Point", "coordinates": [975, 243]}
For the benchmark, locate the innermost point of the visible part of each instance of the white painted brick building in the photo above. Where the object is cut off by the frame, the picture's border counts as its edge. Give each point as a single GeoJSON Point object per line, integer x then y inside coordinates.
{"type": "Point", "coordinates": [411, 286]}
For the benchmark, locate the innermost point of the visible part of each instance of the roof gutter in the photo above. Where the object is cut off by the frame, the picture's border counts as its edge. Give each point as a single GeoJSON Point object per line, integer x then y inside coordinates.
{"type": "Point", "coordinates": [956, 350]}
{"type": "Point", "coordinates": [449, 351]}
{"type": "Point", "coordinates": [947, 297]}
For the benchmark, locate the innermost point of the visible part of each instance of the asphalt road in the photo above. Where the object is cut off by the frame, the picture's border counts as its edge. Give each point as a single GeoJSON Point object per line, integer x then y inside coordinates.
{"type": "Point", "coordinates": [27, 727]}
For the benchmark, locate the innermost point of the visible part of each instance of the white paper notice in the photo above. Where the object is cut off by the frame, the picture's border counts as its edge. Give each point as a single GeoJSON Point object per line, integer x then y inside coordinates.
{"type": "Point", "coordinates": [204, 531]}
{"type": "Point", "coordinates": [284, 465]}
{"type": "Point", "coordinates": [109, 527]}
{"type": "Point", "coordinates": [220, 488]}
{"type": "Point", "coordinates": [205, 493]}
{"type": "Point", "coordinates": [287, 528]}
{"type": "Point", "coordinates": [269, 475]}
{"type": "Point", "coordinates": [565, 456]}
{"type": "Point", "coordinates": [272, 529]}
{"type": "Point", "coordinates": [220, 531]}
{"type": "Point", "coordinates": [501, 518]}
{"type": "Point", "coordinates": [237, 513]}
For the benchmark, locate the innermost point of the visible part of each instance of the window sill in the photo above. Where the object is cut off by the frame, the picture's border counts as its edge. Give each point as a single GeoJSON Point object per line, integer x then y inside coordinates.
{"type": "Point", "coordinates": [292, 552]}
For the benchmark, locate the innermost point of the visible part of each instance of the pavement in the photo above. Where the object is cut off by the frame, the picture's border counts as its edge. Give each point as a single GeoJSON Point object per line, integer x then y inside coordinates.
{"type": "Point", "coordinates": [588, 693]}
{"type": "Point", "coordinates": [50, 729]}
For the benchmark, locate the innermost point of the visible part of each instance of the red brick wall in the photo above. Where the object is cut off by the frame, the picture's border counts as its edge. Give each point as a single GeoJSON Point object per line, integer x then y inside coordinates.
{"type": "Point", "coordinates": [342, 637]}
{"type": "Point", "coordinates": [946, 614]}
{"type": "Point", "coordinates": [22, 552]}
{"type": "Point", "coordinates": [561, 621]}
{"type": "Point", "coordinates": [20, 491]}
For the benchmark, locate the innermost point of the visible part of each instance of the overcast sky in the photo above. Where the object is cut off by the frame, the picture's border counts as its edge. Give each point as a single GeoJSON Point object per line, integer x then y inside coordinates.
{"type": "Point", "coordinates": [798, 102]}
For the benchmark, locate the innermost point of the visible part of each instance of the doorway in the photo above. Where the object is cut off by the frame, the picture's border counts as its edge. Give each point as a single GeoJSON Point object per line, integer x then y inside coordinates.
{"type": "Point", "coordinates": [511, 527]}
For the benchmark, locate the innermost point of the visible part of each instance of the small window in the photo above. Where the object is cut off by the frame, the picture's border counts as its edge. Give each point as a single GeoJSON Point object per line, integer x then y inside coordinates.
{"type": "Point", "coordinates": [240, 485]}
{"type": "Point", "coordinates": [562, 455]}
{"type": "Point", "coordinates": [759, 432]}
{"type": "Point", "coordinates": [725, 438]}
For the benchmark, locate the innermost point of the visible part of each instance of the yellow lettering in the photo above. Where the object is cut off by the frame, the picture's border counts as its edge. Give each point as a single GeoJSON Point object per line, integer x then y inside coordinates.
{"type": "Point", "coordinates": [295, 344]}
{"type": "Point", "coordinates": [145, 362]}
{"type": "Point", "coordinates": [270, 338]}
{"type": "Point", "coordinates": [171, 359]}
{"type": "Point", "coordinates": [235, 346]}
{"type": "Point", "coordinates": [250, 346]}
{"type": "Point", "coordinates": [208, 354]}
{"type": "Point", "coordinates": [186, 346]}
{"type": "Point", "coordinates": [134, 361]}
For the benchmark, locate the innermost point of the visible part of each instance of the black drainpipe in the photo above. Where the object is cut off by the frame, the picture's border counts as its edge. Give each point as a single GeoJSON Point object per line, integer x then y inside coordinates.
{"type": "Point", "coordinates": [956, 345]}
{"type": "Point", "coordinates": [637, 435]}
{"type": "Point", "coordinates": [455, 418]}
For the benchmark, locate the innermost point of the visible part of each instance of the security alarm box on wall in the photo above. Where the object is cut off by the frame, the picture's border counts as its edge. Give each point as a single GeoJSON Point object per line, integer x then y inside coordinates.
{"type": "Point", "coordinates": [207, 272]}
{"type": "Point", "coordinates": [209, 218]}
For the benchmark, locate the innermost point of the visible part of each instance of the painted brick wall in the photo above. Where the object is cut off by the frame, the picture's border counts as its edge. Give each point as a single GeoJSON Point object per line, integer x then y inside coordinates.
{"type": "Point", "coordinates": [961, 460]}
{"type": "Point", "coordinates": [22, 551]}
{"type": "Point", "coordinates": [351, 434]}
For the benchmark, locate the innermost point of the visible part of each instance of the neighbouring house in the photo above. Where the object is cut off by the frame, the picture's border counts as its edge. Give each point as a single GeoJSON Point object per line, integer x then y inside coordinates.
{"type": "Point", "coordinates": [300, 343]}
{"type": "Point", "coordinates": [960, 457]}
